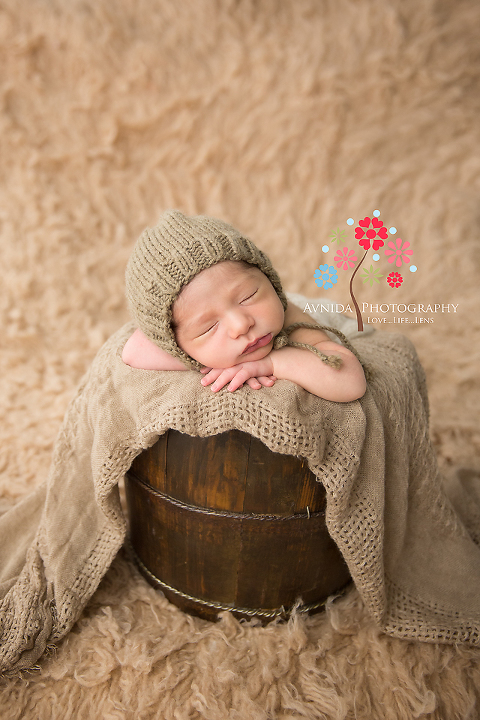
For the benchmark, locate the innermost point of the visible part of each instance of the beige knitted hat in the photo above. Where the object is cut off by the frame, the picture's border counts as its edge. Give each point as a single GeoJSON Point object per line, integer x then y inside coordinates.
{"type": "Point", "coordinates": [168, 256]}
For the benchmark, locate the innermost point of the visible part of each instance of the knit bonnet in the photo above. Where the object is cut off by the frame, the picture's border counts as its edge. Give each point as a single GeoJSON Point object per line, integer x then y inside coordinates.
{"type": "Point", "coordinates": [169, 255]}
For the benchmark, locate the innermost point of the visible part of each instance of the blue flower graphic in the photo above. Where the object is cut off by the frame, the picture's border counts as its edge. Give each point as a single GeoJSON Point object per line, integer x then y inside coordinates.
{"type": "Point", "coordinates": [326, 276]}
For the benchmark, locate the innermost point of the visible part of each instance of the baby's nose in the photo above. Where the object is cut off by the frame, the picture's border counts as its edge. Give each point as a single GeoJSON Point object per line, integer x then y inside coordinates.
{"type": "Point", "coordinates": [240, 322]}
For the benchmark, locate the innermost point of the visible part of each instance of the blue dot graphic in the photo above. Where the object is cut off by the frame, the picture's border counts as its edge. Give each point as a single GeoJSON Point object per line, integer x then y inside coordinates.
{"type": "Point", "coordinates": [413, 268]}
{"type": "Point", "coordinates": [325, 248]}
{"type": "Point", "coordinates": [392, 230]}
{"type": "Point", "coordinates": [350, 221]}
{"type": "Point", "coordinates": [376, 213]}
{"type": "Point", "coordinates": [376, 257]}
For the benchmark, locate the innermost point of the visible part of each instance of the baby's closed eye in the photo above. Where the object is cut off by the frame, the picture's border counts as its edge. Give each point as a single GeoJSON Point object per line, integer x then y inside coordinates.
{"type": "Point", "coordinates": [250, 296]}
{"type": "Point", "coordinates": [208, 330]}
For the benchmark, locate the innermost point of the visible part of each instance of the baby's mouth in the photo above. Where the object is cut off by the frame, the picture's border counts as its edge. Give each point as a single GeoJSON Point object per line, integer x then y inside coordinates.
{"type": "Point", "coordinates": [261, 342]}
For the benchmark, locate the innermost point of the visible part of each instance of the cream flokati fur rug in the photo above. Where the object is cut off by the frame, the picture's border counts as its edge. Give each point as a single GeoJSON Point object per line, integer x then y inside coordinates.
{"type": "Point", "coordinates": [285, 119]}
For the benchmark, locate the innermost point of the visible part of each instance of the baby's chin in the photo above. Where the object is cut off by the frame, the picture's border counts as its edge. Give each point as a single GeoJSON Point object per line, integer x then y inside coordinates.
{"type": "Point", "coordinates": [257, 354]}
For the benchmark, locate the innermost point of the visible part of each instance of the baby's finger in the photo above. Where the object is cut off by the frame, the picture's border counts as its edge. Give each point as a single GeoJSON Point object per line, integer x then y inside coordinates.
{"type": "Point", "coordinates": [254, 383]}
{"type": "Point", "coordinates": [211, 376]}
{"type": "Point", "coordinates": [224, 377]}
{"type": "Point", "coordinates": [241, 376]}
{"type": "Point", "coordinates": [267, 381]}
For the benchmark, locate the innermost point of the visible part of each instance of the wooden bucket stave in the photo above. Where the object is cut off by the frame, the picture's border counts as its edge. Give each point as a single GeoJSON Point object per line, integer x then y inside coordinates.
{"type": "Point", "coordinates": [224, 523]}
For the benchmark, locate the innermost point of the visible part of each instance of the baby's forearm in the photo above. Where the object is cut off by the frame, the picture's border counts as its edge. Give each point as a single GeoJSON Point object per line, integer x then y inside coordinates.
{"type": "Point", "coordinates": [306, 369]}
{"type": "Point", "coordinates": [140, 352]}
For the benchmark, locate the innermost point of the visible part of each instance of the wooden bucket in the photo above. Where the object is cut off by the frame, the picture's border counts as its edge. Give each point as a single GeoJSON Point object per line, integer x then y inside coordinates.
{"type": "Point", "coordinates": [224, 523]}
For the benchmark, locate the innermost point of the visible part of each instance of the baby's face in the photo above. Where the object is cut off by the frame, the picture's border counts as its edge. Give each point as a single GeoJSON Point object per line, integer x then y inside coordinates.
{"type": "Point", "coordinates": [227, 314]}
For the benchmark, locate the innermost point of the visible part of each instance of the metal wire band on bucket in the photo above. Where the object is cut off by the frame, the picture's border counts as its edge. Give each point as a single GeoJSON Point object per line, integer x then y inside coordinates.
{"type": "Point", "coordinates": [260, 612]}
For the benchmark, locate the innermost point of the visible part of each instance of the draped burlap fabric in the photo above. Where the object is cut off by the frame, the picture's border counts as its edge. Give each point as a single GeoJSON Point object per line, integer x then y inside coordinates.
{"type": "Point", "coordinates": [412, 558]}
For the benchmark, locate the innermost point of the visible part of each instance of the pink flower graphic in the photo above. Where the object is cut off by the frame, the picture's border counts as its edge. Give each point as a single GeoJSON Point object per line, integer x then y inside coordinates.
{"type": "Point", "coordinates": [398, 253]}
{"type": "Point", "coordinates": [365, 234]}
{"type": "Point", "coordinates": [345, 258]}
{"type": "Point", "coordinates": [394, 279]}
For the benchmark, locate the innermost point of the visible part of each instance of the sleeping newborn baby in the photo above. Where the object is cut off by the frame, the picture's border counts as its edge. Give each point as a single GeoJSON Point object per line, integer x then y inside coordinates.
{"type": "Point", "coordinates": [204, 297]}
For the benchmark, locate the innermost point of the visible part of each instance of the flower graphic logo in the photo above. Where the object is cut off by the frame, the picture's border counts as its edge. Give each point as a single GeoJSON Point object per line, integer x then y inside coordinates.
{"type": "Point", "coordinates": [394, 279]}
{"type": "Point", "coordinates": [370, 233]}
{"type": "Point", "coordinates": [345, 258]}
{"type": "Point", "coordinates": [326, 276]}
{"type": "Point", "coordinates": [397, 251]}
{"type": "Point", "coordinates": [365, 234]}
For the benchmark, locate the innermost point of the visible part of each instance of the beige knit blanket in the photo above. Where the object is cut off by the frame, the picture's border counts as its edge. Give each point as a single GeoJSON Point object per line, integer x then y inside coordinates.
{"type": "Point", "coordinates": [411, 557]}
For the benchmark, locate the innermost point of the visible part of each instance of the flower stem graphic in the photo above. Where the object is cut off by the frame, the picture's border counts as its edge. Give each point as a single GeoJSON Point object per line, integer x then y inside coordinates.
{"type": "Point", "coordinates": [357, 309]}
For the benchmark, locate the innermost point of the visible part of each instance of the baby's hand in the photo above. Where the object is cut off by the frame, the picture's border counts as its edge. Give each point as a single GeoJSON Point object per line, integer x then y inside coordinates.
{"type": "Point", "coordinates": [255, 374]}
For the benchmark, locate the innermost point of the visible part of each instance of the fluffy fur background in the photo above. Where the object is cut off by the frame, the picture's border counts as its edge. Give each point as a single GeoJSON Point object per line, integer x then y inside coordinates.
{"type": "Point", "coordinates": [284, 117]}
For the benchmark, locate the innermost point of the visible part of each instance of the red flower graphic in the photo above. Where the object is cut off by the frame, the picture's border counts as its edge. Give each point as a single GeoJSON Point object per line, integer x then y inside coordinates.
{"type": "Point", "coordinates": [365, 233]}
{"type": "Point", "coordinates": [394, 279]}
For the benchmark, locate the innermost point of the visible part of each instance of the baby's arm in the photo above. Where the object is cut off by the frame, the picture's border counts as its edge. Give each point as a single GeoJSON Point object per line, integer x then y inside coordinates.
{"type": "Point", "coordinates": [302, 367]}
{"type": "Point", "coordinates": [140, 352]}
